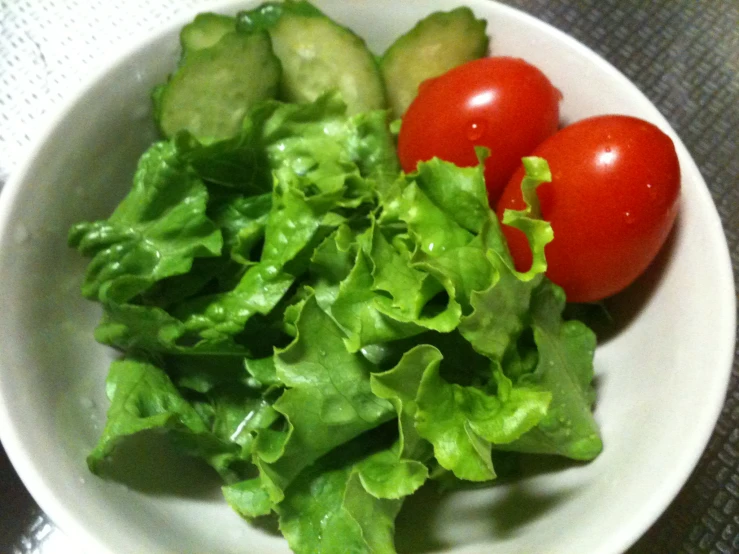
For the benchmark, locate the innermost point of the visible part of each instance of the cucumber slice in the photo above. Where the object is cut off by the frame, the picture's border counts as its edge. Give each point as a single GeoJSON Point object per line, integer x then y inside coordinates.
{"type": "Point", "coordinates": [266, 15]}
{"type": "Point", "coordinates": [318, 55]}
{"type": "Point", "coordinates": [212, 90]}
{"type": "Point", "coordinates": [437, 43]}
{"type": "Point", "coordinates": [205, 31]}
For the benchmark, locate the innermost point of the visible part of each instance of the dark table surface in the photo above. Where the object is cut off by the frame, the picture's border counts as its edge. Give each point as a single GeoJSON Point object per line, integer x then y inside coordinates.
{"type": "Point", "coordinates": [683, 54]}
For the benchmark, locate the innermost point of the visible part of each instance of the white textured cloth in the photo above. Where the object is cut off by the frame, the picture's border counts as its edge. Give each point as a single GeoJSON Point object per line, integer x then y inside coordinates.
{"type": "Point", "coordinates": [47, 47]}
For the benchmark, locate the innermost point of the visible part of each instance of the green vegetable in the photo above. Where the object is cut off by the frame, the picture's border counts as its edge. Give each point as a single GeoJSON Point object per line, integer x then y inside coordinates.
{"type": "Point", "coordinates": [330, 510]}
{"type": "Point", "coordinates": [143, 398]}
{"type": "Point", "coordinates": [317, 55]}
{"type": "Point", "coordinates": [565, 367]}
{"type": "Point", "coordinates": [214, 86]}
{"type": "Point", "coordinates": [325, 331]}
{"type": "Point", "coordinates": [528, 220]}
{"type": "Point", "coordinates": [328, 400]}
{"type": "Point", "coordinates": [156, 232]}
{"type": "Point", "coordinates": [205, 31]}
{"type": "Point", "coordinates": [437, 43]}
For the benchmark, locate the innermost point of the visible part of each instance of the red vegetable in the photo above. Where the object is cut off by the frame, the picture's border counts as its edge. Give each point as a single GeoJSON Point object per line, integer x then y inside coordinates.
{"type": "Point", "coordinates": [611, 203]}
{"type": "Point", "coordinates": [505, 104]}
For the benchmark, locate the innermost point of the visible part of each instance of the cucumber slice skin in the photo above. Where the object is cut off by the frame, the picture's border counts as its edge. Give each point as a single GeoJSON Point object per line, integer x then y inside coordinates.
{"type": "Point", "coordinates": [436, 44]}
{"type": "Point", "coordinates": [205, 31]}
{"type": "Point", "coordinates": [213, 89]}
{"type": "Point", "coordinates": [265, 16]}
{"type": "Point", "coordinates": [318, 55]}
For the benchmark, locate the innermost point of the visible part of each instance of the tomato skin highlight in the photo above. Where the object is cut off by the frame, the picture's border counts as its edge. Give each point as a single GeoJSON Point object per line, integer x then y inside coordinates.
{"type": "Point", "coordinates": [502, 103]}
{"type": "Point", "coordinates": [612, 202]}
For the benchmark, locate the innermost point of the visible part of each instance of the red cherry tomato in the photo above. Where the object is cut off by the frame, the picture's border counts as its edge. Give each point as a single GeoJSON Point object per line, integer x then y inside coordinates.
{"type": "Point", "coordinates": [502, 103]}
{"type": "Point", "coordinates": [611, 203]}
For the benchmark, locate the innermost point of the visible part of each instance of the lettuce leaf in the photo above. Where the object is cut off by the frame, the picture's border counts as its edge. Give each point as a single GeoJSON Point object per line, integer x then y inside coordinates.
{"type": "Point", "coordinates": [463, 422]}
{"type": "Point", "coordinates": [328, 400]}
{"type": "Point", "coordinates": [143, 398]}
{"type": "Point", "coordinates": [565, 368]}
{"type": "Point", "coordinates": [500, 312]}
{"type": "Point", "coordinates": [327, 332]}
{"type": "Point", "coordinates": [328, 510]}
{"type": "Point", "coordinates": [156, 231]}
{"type": "Point", "coordinates": [242, 220]}
{"type": "Point", "coordinates": [192, 200]}
{"type": "Point", "coordinates": [529, 220]}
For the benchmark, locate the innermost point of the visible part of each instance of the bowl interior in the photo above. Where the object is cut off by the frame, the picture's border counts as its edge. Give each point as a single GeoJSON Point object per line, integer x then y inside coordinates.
{"type": "Point", "coordinates": [662, 369]}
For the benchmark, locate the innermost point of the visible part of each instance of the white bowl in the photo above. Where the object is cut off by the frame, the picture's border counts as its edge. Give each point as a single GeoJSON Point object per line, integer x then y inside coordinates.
{"type": "Point", "coordinates": [661, 378]}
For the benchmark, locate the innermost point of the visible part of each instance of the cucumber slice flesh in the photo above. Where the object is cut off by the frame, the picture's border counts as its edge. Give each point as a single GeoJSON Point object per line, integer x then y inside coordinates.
{"type": "Point", "coordinates": [205, 31]}
{"type": "Point", "coordinates": [212, 90]}
{"type": "Point", "coordinates": [437, 43]}
{"type": "Point", "coordinates": [317, 55]}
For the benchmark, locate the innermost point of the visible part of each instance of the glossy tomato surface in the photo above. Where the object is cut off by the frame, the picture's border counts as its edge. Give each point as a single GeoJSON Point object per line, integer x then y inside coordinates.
{"type": "Point", "coordinates": [611, 203]}
{"type": "Point", "coordinates": [502, 103]}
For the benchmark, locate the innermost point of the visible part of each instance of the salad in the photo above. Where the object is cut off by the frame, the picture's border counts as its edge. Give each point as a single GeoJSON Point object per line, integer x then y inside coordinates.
{"type": "Point", "coordinates": [330, 321]}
